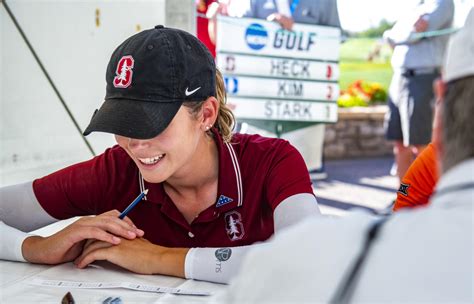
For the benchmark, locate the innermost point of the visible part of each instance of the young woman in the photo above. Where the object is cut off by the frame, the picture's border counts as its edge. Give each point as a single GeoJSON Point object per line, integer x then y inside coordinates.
{"type": "Point", "coordinates": [210, 192]}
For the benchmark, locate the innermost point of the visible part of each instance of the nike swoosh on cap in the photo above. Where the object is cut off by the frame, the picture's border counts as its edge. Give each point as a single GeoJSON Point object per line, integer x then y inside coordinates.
{"type": "Point", "coordinates": [191, 92]}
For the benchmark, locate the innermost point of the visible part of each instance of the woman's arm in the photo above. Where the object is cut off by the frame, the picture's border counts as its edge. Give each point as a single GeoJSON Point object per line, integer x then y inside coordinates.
{"type": "Point", "coordinates": [221, 264]}
{"type": "Point", "coordinates": [11, 242]}
{"type": "Point", "coordinates": [21, 212]}
{"type": "Point", "coordinates": [207, 264]}
{"type": "Point", "coordinates": [294, 210]}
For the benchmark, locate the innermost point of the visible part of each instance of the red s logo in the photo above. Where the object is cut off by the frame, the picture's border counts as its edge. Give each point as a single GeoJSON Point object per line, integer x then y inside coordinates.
{"type": "Point", "coordinates": [124, 72]}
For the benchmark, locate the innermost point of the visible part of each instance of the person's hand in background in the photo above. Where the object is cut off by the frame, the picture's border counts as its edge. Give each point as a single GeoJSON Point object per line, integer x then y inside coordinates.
{"type": "Point", "coordinates": [421, 25]}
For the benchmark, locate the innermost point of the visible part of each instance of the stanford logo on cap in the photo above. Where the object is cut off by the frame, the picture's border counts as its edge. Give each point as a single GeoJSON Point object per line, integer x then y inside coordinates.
{"type": "Point", "coordinates": [124, 72]}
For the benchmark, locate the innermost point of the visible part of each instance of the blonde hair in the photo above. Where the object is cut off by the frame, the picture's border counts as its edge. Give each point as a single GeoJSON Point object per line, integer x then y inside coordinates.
{"type": "Point", "coordinates": [225, 118]}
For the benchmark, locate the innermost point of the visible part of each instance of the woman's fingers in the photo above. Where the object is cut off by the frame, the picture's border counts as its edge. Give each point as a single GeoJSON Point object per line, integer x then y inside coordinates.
{"type": "Point", "coordinates": [110, 222]}
{"type": "Point", "coordinates": [90, 247]}
{"type": "Point", "coordinates": [139, 232]}
{"type": "Point", "coordinates": [81, 233]}
{"type": "Point", "coordinates": [115, 214]}
{"type": "Point", "coordinates": [96, 255]}
{"type": "Point", "coordinates": [116, 226]}
{"type": "Point", "coordinates": [137, 255]}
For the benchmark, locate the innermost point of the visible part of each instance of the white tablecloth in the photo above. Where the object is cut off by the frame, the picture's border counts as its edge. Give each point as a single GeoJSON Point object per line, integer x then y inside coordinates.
{"type": "Point", "coordinates": [15, 286]}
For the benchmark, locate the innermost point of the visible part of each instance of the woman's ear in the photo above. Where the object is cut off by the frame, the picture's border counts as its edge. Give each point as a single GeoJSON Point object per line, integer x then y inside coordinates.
{"type": "Point", "coordinates": [210, 110]}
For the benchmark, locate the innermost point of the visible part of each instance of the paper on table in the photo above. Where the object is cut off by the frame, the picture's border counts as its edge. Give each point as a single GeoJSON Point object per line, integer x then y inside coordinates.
{"type": "Point", "coordinates": [108, 285]}
{"type": "Point", "coordinates": [109, 276]}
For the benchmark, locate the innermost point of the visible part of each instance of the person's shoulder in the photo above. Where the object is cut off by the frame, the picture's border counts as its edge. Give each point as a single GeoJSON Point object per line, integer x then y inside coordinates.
{"type": "Point", "coordinates": [419, 181]}
{"type": "Point", "coordinates": [257, 143]}
{"type": "Point", "coordinates": [255, 138]}
{"type": "Point", "coordinates": [425, 165]}
{"type": "Point", "coordinates": [429, 154]}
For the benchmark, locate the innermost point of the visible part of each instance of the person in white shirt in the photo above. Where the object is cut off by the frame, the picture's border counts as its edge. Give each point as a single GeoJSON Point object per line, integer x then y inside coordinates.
{"type": "Point", "coordinates": [416, 64]}
{"type": "Point", "coordinates": [308, 140]}
{"type": "Point", "coordinates": [415, 256]}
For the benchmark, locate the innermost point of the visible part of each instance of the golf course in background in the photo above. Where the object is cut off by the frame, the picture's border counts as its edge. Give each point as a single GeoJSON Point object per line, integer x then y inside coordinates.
{"type": "Point", "coordinates": [355, 64]}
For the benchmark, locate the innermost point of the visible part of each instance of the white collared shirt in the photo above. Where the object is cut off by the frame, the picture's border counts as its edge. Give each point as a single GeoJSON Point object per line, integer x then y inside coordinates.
{"type": "Point", "coordinates": [423, 255]}
{"type": "Point", "coordinates": [424, 53]}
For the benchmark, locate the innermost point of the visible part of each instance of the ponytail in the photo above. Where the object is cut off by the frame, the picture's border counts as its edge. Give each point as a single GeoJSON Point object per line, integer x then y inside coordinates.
{"type": "Point", "coordinates": [225, 118]}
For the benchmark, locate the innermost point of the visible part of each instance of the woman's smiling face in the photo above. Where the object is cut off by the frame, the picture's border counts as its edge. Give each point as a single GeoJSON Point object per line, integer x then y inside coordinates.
{"type": "Point", "coordinates": [169, 154]}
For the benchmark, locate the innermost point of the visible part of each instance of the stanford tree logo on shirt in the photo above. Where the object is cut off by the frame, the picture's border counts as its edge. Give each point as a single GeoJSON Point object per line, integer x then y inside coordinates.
{"type": "Point", "coordinates": [234, 227]}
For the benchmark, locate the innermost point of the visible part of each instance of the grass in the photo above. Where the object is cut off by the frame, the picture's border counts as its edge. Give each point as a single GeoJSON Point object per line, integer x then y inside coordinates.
{"type": "Point", "coordinates": [354, 64]}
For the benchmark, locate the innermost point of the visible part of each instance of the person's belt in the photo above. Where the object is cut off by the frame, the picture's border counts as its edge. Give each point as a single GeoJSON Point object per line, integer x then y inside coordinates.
{"type": "Point", "coordinates": [420, 71]}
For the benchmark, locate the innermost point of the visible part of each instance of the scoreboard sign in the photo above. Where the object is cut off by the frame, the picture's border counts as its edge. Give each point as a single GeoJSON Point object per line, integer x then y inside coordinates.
{"type": "Point", "coordinates": [279, 88]}
{"type": "Point", "coordinates": [284, 110]}
{"type": "Point", "coordinates": [277, 75]}
{"type": "Point", "coordinates": [249, 65]}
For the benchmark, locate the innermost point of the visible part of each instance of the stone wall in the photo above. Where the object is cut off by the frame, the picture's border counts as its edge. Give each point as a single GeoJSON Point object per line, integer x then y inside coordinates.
{"type": "Point", "coordinates": [359, 132]}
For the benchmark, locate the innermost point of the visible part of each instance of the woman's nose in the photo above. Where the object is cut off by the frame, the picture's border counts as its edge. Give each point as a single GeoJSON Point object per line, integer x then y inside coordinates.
{"type": "Point", "coordinates": [138, 143]}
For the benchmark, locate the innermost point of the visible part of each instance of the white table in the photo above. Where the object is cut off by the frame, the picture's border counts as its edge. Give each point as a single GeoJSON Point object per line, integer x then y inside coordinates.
{"type": "Point", "coordinates": [15, 286]}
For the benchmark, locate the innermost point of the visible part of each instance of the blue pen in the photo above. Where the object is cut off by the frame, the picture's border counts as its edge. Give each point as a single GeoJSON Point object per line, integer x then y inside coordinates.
{"type": "Point", "coordinates": [132, 204]}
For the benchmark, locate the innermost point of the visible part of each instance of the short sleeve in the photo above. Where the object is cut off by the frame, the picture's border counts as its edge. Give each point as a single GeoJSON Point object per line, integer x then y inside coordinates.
{"type": "Point", "coordinates": [85, 188]}
{"type": "Point", "coordinates": [418, 183]}
{"type": "Point", "coordinates": [287, 175]}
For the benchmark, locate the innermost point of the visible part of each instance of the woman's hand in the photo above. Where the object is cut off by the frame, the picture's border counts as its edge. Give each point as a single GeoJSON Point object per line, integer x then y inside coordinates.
{"type": "Point", "coordinates": [137, 255]}
{"type": "Point", "coordinates": [67, 244]}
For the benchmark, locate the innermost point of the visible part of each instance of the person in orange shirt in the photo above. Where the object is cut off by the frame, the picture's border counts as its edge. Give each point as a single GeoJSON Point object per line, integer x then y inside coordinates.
{"type": "Point", "coordinates": [419, 182]}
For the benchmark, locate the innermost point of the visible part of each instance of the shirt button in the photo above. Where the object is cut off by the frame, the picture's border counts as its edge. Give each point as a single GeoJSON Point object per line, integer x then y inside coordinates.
{"type": "Point", "coordinates": [190, 234]}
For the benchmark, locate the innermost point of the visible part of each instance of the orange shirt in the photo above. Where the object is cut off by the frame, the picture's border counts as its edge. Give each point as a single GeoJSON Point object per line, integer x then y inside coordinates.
{"type": "Point", "coordinates": [418, 183]}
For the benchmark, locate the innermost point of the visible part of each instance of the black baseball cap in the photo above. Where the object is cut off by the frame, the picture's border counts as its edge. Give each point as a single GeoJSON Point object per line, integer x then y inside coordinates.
{"type": "Point", "coordinates": [149, 76]}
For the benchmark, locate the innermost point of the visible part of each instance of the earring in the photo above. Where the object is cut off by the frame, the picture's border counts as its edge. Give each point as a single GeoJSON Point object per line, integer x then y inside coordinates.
{"type": "Point", "coordinates": [208, 127]}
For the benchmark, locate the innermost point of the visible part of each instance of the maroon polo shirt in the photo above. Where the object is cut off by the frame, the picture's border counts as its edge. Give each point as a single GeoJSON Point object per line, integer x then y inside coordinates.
{"type": "Point", "coordinates": [255, 175]}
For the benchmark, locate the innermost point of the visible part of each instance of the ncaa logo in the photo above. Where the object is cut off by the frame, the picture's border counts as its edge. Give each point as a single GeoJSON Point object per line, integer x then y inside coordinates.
{"type": "Point", "coordinates": [124, 72]}
{"type": "Point", "coordinates": [256, 36]}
